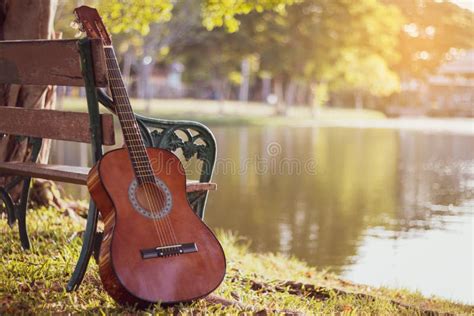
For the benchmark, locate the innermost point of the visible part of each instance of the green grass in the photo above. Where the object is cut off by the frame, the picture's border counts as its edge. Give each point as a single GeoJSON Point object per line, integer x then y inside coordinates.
{"type": "Point", "coordinates": [34, 281]}
{"type": "Point", "coordinates": [234, 112]}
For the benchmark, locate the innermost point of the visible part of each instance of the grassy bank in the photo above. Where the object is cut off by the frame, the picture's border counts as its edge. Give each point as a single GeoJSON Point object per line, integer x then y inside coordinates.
{"type": "Point", "coordinates": [234, 112]}
{"type": "Point", "coordinates": [34, 281]}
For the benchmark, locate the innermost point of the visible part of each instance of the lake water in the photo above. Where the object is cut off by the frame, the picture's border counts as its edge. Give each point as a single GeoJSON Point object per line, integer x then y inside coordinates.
{"type": "Point", "coordinates": [383, 207]}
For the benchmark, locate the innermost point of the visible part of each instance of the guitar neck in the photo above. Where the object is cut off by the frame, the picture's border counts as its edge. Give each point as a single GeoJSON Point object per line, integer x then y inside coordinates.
{"type": "Point", "coordinates": [128, 122]}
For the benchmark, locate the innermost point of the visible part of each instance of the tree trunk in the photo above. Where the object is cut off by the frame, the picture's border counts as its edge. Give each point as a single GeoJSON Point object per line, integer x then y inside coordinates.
{"type": "Point", "coordinates": [301, 94]}
{"type": "Point", "coordinates": [266, 87]}
{"type": "Point", "coordinates": [280, 107]}
{"type": "Point", "coordinates": [358, 100]}
{"type": "Point", "coordinates": [146, 65]}
{"type": "Point", "coordinates": [219, 87]}
{"type": "Point", "coordinates": [127, 67]}
{"type": "Point", "coordinates": [244, 87]}
{"type": "Point", "coordinates": [290, 93]}
{"type": "Point", "coordinates": [21, 20]}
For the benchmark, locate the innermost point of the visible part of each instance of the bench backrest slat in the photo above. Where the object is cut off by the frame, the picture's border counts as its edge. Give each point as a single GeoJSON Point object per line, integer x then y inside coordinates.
{"type": "Point", "coordinates": [48, 62]}
{"type": "Point", "coordinates": [52, 124]}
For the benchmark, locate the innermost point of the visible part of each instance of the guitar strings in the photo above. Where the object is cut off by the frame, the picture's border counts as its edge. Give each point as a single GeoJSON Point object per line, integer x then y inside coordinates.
{"type": "Point", "coordinates": [141, 172]}
{"type": "Point", "coordinates": [155, 197]}
{"type": "Point", "coordinates": [110, 67]}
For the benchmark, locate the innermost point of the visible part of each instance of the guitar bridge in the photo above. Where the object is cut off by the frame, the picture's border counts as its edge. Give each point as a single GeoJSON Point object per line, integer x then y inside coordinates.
{"type": "Point", "coordinates": [167, 251]}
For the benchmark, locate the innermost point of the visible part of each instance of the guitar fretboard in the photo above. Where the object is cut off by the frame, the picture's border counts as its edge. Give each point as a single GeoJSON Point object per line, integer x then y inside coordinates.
{"type": "Point", "coordinates": [128, 122]}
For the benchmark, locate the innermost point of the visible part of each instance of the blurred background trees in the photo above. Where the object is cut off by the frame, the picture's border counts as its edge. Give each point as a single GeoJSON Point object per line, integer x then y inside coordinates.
{"type": "Point", "coordinates": [312, 53]}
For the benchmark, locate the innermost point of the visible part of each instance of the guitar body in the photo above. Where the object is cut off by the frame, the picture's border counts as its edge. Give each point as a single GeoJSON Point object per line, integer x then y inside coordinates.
{"type": "Point", "coordinates": [155, 249]}
{"type": "Point", "coordinates": [135, 265]}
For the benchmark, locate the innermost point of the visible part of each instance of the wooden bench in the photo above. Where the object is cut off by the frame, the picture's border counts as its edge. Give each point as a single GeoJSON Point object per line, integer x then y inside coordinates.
{"type": "Point", "coordinates": [82, 63]}
{"type": "Point", "coordinates": [73, 174]}
{"type": "Point", "coordinates": [60, 125]}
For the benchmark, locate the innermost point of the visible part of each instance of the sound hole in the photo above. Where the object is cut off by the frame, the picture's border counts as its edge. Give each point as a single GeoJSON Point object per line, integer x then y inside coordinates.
{"type": "Point", "coordinates": [150, 197]}
{"type": "Point", "coordinates": [152, 200]}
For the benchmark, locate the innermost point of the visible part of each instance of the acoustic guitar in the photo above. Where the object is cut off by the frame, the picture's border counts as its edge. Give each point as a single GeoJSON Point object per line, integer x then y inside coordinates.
{"type": "Point", "coordinates": [155, 248]}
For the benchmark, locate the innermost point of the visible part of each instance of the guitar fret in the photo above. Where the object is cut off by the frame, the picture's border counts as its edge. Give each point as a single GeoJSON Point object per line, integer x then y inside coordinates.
{"type": "Point", "coordinates": [143, 168]}
{"type": "Point", "coordinates": [137, 146]}
{"type": "Point", "coordinates": [136, 155]}
{"type": "Point", "coordinates": [145, 176]}
{"type": "Point", "coordinates": [136, 137]}
{"type": "Point", "coordinates": [141, 165]}
{"type": "Point", "coordinates": [144, 172]}
{"type": "Point", "coordinates": [135, 152]}
{"type": "Point", "coordinates": [137, 143]}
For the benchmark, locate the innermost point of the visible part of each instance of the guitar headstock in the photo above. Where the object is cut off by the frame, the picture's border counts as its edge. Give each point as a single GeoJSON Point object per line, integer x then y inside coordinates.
{"type": "Point", "coordinates": [90, 22]}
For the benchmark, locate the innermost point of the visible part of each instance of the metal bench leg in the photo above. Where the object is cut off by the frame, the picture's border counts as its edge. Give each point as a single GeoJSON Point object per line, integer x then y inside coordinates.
{"type": "Point", "coordinates": [197, 200]}
{"type": "Point", "coordinates": [21, 215]}
{"type": "Point", "coordinates": [97, 242]}
{"type": "Point", "coordinates": [87, 248]}
{"type": "Point", "coordinates": [9, 206]}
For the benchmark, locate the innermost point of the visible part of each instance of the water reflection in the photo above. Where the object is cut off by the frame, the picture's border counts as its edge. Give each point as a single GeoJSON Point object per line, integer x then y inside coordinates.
{"type": "Point", "coordinates": [318, 217]}
{"type": "Point", "coordinates": [372, 188]}
{"type": "Point", "coordinates": [373, 204]}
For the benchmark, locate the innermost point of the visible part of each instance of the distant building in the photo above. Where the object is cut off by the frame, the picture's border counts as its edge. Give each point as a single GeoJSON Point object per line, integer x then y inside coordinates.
{"type": "Point", "coordinates": [451, 90]}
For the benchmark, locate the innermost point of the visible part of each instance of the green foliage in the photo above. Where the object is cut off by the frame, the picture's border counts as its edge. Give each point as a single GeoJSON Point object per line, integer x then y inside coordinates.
{"type": "Point", "coordinates": [218, 13]}
{"type": "Point", "coordinates": [369, 74]}
{"type": "Point", "coordinates": [138, 15]}
{"type": "Point", "coordinates": [235, 77]}
{"type": "Point", "coordinates": [364, 47]}
{"type": "Point", "coordinates": [125, 19]}
{"type": "Point", "coordinates": [315, 39]}
{"type": "Point", "coordinates": [126, 16]}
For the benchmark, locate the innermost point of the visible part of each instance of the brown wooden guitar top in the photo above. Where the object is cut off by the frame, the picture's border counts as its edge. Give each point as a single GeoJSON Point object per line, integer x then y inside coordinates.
{"type": "Point", "coordinates": [126, 275]}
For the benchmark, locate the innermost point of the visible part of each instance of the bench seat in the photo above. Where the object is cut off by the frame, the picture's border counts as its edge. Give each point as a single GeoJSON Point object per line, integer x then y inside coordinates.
{"type": "Point", "coordinates": [72, 174]}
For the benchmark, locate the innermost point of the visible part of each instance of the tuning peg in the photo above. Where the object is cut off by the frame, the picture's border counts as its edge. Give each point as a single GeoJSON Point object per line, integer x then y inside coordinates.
{"type": "Point", "coordinates": [81, 27]}
{"type": "Point", "coordinates": [78, 34]}
{"type": "Point", "coordinates": [74, 24]}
